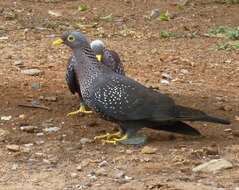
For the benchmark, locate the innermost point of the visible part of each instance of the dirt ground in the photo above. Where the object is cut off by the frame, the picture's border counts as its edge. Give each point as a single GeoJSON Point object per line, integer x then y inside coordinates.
{"type": "Point", "coordinates": [60, 153]}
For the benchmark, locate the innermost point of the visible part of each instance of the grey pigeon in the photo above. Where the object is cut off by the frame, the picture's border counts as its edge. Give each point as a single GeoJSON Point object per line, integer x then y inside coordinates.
{"type": "Point", "coordinates": [105, 56]}
{"type": "Point", "coordinates": [123, 100]}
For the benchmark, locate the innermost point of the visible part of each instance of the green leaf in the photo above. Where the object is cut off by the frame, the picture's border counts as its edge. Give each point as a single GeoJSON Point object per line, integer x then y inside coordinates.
{"type": "Point", "coordinates": [165, 34]}
{"type": "Point", "coordinates": [164, 16]}
{"type": "Point", "coordinates": [107, 18]}
{"type": "Point", "coordinates": [232, 45]}
{"type": "Point", "coordinates": [82, 8]}
{"type": "Point", "coordinates": [234, 34]}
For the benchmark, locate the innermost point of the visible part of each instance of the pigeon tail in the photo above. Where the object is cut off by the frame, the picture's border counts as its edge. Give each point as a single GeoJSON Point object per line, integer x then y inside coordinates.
{"type": "Point", "coordinates": [173, 126]}
{"type": "Point", "coordinates": [190, 114]}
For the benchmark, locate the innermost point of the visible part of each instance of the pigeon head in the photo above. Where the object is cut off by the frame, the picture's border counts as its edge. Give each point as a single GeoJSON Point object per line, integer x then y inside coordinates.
{"type": "Point", "coordinates": [74, 40]}
{"type": "Point", "coordinates": [98, 46]}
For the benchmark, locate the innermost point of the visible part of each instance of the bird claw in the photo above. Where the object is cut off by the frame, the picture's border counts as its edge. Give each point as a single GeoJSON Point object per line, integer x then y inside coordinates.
{"type": "Point", "coordinates": [81, 110]}
{"type": "Point", "coordinates": [115, 140]}
{"type": "Point", "coordinates": [73, 113]}
{"type": "Point", "coordinates": [109, 142]}
{"type": "Point", "coordinates": [102, 136]}
{"type": "Point", "coordinates": [87, 112]}
{"type": "Point", "coordinates": [109, 136]}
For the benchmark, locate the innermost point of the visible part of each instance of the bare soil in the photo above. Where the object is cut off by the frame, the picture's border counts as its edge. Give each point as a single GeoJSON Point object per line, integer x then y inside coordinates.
{"type": "Point", "coordinates": [58, 160]}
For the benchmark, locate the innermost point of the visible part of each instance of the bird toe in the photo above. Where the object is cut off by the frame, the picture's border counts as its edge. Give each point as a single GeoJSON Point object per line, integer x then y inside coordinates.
{"type": "Point", "coordinates": [109, 142]}
{"type": "Point", "coordinates": [73, 113]}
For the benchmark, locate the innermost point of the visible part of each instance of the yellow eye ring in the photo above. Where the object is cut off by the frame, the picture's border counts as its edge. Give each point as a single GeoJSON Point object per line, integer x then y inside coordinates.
{"type": "Point", "coordinates": [71, 38]}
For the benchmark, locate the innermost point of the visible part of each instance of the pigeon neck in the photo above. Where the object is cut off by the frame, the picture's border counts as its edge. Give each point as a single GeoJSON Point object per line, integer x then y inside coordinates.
{"type": "Point", "coordinates": [87, 63]}
{"type": "Point", "coordinates": [87, 70]}
{"type": "Point", "coordinates": [86, 53]}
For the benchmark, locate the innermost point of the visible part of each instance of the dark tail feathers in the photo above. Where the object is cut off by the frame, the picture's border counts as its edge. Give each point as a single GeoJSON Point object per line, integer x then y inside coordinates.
{"type": "Point", "coordinates": [175, 127]}
{"type": "Point", "coordinates": [212, 119]}
{"type": "Point", "coordinates": [190, 114]}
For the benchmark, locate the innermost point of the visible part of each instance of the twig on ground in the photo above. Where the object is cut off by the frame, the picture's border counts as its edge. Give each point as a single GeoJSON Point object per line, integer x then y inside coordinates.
{"type": "Point", "coordinates": [34, 106]}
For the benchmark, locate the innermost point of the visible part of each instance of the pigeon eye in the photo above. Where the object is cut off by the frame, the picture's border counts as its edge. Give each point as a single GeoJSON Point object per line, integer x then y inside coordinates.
{"type": "Point", "coordinates": [71, 38]}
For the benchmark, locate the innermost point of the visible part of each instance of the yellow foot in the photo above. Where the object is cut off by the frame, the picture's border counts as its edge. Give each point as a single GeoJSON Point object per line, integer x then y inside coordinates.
{"type": "Point", "coordinates": [109, 136]}
{"type": "Point", "coordinates": [108, 142]}
{"type": "Point", "coordinates": [115, 140]}
{"type": "Point", "coordinates": [81, 110]}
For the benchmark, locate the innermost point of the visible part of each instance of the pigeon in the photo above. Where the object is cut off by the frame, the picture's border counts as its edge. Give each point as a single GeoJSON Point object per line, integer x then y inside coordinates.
{"type": "Point", "coordinates": [125, 101]}
{"type": "Point", "coordinates": [74, 86]}
{"type": "Point", "coordinates": [105, 56]}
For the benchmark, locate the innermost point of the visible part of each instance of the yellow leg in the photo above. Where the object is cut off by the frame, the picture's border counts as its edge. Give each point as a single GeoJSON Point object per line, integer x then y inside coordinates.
{"type": "Point", "coordinates": [81, 110]}
{"type": "Point", "coordinates": [109, 136]}
{"type": "Point", "coordinates": [115, 140]}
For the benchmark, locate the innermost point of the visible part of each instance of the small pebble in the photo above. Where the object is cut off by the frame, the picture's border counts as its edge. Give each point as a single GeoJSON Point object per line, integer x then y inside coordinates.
{"type": "Point", "coordinates": [92, 176]}
{"type": "Point", "coordinates": [6, 118]}
{"type": "Point", "coordinates": [39, 154]}
{"type": "Point", "coordinates": [40, 134]}
{"type": "Point", "coordinates": [31, 72]}
{"type": "Point", "coordinates": [73, 175]}
{"type": "Point", "coordinates": [13, 148]}
{"type": "Point", "coordinates": [18, 63]}
{"type": "Point", "coordinates": [85, 140]}
{"type": "Point", "coordinates": [28, 128]}
{"type": "Point", "coordinates": [46, 161]}
{"type": "Point", "coordinates": [54, 13]}
{"type": "Point", "coordinates": [237, 118]}
{"type": "Point", "coordinates": [118, 174]}
{"type": "Point", "coordinates": [155, 13]}
{"type": "Point", "coordinates": [167, 76]}
{"type": "Point", "coordinates": [14, 166]}
{"type": "Point", "coordinates": [28, 145]}
{"type": "Point", "coordinates": [127, 178]}
{"type": "Point", "coordinates": [51, 98]}
{"type": "Point", "coordinates": [129, 151]}
{"type": "Point", "coordinates": [4, 38]}
{"type": "Point", "coordinates": [184, 71]}
{"type": "Point", "coordinates": [103, 163]}
{"type": "Point", "coordinates": [51, 129]}
{"type": "Point", "coordinates": [22, 116]}
{"type": "Point", "coordinates": [25, 150]}
{"type": "Point", "coordinates": [228, 61]}
{"type": "Point", "coordinates": [79, 168]}
{"type": "Point", "coordinates": [101, 172]}
{"type": "Point", "coordinates": [213, 166]}
{"type": "Point", "coordinates": [163, 81]}
{"type": "Point", "coordinates": [36, 85]}
{"type": "Point", "coordinates": [228, 130]}
{"type": "Point", "coordinates": [148, 150]}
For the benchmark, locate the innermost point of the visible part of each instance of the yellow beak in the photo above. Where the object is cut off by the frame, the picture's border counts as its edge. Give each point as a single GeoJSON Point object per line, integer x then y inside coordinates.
{"type": "Point", "coordinates": [99, 57]}
{"type": "Point", "coordinates": [57, 42]}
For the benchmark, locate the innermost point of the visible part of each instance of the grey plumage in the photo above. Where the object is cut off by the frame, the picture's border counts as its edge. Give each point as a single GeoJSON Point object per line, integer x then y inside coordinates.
{"type": "Point", "coordinates": [126, 101]}
{"type": "Point", "coordinates": [110, 58]}
{"type": "Point", "coordinates": [71, 79]}
{"type": "Point", "coordinates": [70, 76]}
